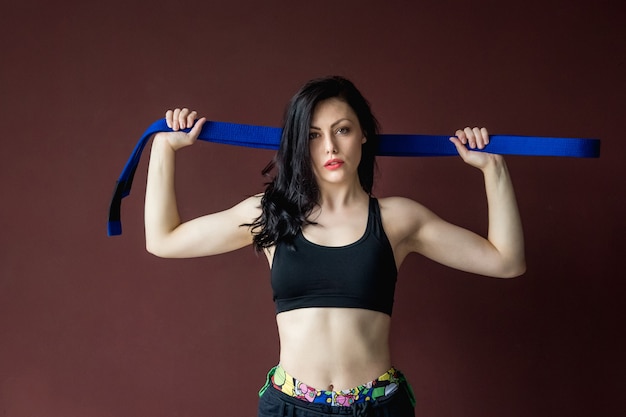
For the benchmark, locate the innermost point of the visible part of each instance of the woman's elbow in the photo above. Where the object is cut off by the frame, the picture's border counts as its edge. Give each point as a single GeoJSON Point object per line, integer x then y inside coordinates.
{"type": "Point", "coordinates": [158, 249]}
{"type": "Point", "coordinates": [154, 250]}
{"type": "Point", "coordinates": [513, 269]}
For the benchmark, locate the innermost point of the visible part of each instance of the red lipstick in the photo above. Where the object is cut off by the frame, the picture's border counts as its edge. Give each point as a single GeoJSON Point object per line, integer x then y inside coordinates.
{"type": "Point", "coordinates": [333, 164]}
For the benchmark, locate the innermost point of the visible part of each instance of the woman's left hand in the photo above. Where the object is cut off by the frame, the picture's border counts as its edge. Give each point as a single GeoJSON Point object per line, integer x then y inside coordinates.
{"type": "Point", "coordinates": [476, 138]}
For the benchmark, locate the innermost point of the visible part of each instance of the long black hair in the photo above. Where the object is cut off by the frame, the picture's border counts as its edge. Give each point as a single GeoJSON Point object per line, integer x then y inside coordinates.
{"type": "Point", "coordinates": [293, 192]}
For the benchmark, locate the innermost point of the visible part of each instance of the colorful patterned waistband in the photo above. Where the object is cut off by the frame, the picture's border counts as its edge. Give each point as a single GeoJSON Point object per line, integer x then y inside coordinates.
{"type": "Point", "coordinates": [384, 385]}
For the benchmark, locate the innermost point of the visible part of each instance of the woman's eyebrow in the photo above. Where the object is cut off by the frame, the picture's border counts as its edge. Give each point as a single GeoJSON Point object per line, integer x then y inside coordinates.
{"type": "Point", "coordinates": [333, 125]}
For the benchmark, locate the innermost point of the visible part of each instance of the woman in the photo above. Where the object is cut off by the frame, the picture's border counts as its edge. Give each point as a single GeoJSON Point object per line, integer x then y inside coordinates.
{"type": "Point", "coordinates": [333, 249]}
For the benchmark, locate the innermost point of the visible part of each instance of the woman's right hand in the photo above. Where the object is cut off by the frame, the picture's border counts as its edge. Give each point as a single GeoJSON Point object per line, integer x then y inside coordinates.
{"type": "Point", "coordinates": [178, 119]}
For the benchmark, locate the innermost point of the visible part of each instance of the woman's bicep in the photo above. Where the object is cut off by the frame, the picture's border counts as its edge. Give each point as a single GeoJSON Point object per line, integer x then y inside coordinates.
{"type": "Point", "coordinates": [459, 248]}
{"type": "Point", "coordinates": [447, 243]}
{"type": "Point", "coordinates": [211, 234]}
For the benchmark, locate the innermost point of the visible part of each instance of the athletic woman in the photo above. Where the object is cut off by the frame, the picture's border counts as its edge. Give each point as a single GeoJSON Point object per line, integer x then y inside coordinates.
{"type": "Point", "coordinates": [332, 247]}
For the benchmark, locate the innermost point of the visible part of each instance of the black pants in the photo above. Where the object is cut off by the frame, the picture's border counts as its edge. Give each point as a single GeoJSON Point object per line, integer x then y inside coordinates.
{"type": "Point", "coordinates": [274, 403]}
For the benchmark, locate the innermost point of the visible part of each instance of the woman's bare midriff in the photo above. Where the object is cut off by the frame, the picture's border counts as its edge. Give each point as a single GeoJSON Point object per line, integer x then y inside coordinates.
{"type": "Point", "coordinates": [334, 348]}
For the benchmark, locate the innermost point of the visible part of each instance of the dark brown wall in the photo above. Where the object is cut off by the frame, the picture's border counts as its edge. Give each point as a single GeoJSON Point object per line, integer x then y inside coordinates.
{"type": "Point", "coordinates": [94, 326]}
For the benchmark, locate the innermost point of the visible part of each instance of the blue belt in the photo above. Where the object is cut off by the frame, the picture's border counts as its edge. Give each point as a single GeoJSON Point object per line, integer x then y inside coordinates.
{"type": "Point", "coordinates": [265, 137]}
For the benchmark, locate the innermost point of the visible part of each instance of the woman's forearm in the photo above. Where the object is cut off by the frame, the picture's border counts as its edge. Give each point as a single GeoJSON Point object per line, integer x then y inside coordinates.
{"type": "Point", "coordinates": [505, 226]}
{"type": "Point", "coordinates": [161, 210]}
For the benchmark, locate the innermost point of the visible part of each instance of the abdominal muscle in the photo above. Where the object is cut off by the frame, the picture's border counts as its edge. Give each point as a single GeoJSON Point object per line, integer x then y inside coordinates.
{"type": "Point", "coordinates": [334, 348]}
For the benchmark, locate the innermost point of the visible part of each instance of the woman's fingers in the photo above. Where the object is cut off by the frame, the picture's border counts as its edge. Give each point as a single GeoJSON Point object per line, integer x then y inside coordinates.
{"type": "Point", "coordinates": [481, 137]}
{"type": "Point", "coordinates": [178, 118]}
{"type": "Point", "coordinates": [191, 118]}
{"type": "Point", "coordinates": [175, 119]}
{"type": "Point", "coordinates": [461, 136]}
{"type": "Point", "coordinates": [473, 137]}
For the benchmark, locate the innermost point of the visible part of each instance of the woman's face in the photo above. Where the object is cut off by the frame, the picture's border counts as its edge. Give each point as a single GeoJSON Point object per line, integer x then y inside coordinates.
{"type": "Point", "coordinates": [335, 140]}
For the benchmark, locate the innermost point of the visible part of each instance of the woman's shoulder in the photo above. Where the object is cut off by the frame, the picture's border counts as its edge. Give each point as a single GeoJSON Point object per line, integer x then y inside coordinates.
{"type": "Point", "coordinates": [249, 207]}
{"type": "Point", "coordinates": [402, 220]}
{"type": "Point", "coordinates": [397, 209]}
{"type": "Point", "coordinates": [397, 205]}
{"type": "Point", "coordinates": [402, 213]}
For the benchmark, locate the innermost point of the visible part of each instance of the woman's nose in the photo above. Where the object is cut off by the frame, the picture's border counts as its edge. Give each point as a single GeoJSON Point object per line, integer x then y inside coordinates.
{"type": "Point", "coordinates": [329, 144]}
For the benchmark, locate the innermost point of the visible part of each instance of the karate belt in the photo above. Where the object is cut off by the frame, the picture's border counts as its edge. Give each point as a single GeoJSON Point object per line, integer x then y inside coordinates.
{"type": "Point", "coordinates": [265, 137]}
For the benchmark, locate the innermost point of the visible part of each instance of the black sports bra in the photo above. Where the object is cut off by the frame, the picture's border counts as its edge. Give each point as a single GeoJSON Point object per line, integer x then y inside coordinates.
{"type": "Point", "coordinates": [359, 275]}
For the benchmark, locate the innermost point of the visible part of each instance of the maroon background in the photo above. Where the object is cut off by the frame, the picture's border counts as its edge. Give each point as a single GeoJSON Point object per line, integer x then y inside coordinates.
{"type": "Point", "coordinates": [94, 326]}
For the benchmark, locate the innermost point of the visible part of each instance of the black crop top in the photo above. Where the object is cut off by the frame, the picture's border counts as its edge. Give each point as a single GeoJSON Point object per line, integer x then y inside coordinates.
{"type": "Point", "coordinates": [359, 275]}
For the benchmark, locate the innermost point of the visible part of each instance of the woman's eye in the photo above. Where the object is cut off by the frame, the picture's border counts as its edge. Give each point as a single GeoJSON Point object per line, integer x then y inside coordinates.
{"type": "Point", "coordinates": [313, 135]}
{"type": "Point", "coordinates": [343, 130]}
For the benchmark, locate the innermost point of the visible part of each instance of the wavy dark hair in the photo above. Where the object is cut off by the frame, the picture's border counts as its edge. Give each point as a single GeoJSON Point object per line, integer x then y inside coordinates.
{"type": "Point", "coordinates": [293, 192]}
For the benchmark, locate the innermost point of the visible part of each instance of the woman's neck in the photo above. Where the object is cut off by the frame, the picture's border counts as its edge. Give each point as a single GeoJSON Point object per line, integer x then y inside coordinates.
{"type": "Point", "coordinates": [338, 197]}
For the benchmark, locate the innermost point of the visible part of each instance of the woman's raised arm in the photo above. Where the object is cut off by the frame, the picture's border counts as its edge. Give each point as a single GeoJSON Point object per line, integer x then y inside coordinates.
{"type": "Point", "coordinates": [212, 234]}
{"type": "Point", "coordinates": [501, 253]}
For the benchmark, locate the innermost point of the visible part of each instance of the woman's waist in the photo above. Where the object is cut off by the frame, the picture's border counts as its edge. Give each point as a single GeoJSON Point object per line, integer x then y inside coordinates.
{"type": "Point", "coordinates": [342, 347]}
{"type": "Point", "coordinates": [341, 357]}
{"type": "Point", "coordinates": [332, 375]}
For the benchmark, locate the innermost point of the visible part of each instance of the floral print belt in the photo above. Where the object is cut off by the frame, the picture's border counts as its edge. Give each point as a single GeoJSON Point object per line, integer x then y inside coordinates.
{"type": "Point", "coordinates": [384, 385]}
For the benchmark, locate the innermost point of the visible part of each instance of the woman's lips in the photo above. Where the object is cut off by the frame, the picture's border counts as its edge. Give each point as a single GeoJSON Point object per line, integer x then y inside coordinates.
{"type": "Point", "coordinates": [333, 164]}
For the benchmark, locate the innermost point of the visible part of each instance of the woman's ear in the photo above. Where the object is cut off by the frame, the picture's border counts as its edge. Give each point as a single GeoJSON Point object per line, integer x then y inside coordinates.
{"type": "Point", "coordinates": [363, 140]}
